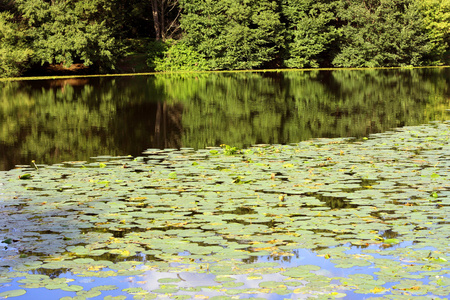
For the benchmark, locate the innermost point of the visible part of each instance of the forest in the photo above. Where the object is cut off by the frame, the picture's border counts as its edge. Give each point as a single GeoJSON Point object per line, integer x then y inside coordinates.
{"type": "Point", "coordinates": [201, 35]}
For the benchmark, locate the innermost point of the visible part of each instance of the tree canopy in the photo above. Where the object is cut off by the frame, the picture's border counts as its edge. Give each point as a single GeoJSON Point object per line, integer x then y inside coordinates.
{"type": "Point", "coordinates": [382, 33]}
{"type": "Point", "coordinates": [232, 34]}
{"type": "Point", "coordinates": [14, 51]}
{"type": "Point", "coordinates": [224, 34]}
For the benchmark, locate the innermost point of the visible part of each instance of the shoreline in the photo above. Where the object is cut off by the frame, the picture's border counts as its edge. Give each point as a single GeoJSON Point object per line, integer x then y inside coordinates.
{"type": "Point", "coordinates": [52, 77]}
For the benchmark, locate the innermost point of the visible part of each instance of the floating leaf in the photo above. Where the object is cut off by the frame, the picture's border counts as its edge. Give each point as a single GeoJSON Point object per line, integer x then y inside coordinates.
{"type": "Point", "coordinates": [168, 280]}
{"type": "Point", "coordinates": [105, 287]}
{"type": "Point", "coordinates": [25, 176]}
{"type": "Point", "coordinates": [391, 241]}
{"type": "Point", "coordinates": [72, 288]}
{"type": "Point", "coordinates": [115, 298]}
{"type": "Point", "coordinates": [226, 219]}
{"type": "Point", "coordinates": [7, 241]}
{"type": "Point", "coordinates": [135, 291]}
{"type": "Point", "coordinates": [12, 293]}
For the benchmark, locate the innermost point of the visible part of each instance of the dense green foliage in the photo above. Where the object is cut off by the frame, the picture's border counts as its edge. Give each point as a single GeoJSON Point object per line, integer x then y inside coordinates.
{"type": "Point", "coordinates": [57, 32]}
{"type": "Point", "coordinates": [14, 53]}
{"type": "Point", "coordinates": [233, 34]}
{"type": "Point", "coordinates": [66, 32]}
{"type": "Point", "coordinates": [177, 57]}
{"type": "Point", "coordinates": [224, 34]}
{"type": "Point", "coordinates": [382, 33]}
{"type": "Point", "coordinates": [311, 32]}
{"type": "Point", "coordinates": [437, 23]}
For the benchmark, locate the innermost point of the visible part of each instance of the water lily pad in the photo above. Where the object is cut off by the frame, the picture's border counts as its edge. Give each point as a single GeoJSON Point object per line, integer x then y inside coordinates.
{"type": "Point", "coordinates": [12, 293]}
{"type": "Point", "coordinates": [115, 298]}
{"type": "Point", "coordinates": [135, 291]}
{"type": "Point", "coordinates": [304, 212]}
{"type": "Point", "coordinates": [72, 288]}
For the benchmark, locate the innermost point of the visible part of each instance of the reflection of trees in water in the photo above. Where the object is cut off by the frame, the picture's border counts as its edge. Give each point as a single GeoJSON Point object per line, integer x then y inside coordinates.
{"type": "Point", "coordinates": [114, 258]}
{"type": "Point", "coordinates": [147, 125]}
{"type": "Point", "coordinates": [250, 108]}
{"type": "Point", "coordinates": [52, 273]}
{"type": "Point", "coordinates": [278, 258]}
{"type": "Point", "coordinates": [61, 83]}
{"type": "Point", "coordinates": [167, 118]}
{"type": "Point", "coordinates": [333, 202]}
{"type": "Point", "coordinates": [389, 234]}
{"type": "Point", "coordinates": [74, 119]}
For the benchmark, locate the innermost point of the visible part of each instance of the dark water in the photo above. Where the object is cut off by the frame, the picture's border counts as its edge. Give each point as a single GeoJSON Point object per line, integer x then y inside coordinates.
{"type": "Point", "coordinates": [73, 119]}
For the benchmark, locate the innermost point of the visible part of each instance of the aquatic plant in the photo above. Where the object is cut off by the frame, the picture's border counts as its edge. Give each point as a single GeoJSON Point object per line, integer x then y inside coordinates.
{"type": "Point", "coordinates": [325, 218]}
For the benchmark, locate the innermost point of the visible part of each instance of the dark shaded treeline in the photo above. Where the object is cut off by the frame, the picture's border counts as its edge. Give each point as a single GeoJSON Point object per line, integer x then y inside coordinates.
{"type": "Point", "coordinates": [223, 34]}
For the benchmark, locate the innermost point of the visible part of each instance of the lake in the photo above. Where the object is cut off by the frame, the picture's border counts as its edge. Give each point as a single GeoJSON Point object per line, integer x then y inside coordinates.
{"type": "Point", "coordinates": [50, 121]}
{"type": "Point", "coordinates": [270, 185]}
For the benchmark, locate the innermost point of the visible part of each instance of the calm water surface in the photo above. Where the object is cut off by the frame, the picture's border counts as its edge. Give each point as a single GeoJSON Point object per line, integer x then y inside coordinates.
{"type": "Point", "coordinates": [74, 119]}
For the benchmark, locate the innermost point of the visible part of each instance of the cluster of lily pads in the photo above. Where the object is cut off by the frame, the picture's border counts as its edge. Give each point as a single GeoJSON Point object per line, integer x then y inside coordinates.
{"type": "Point", "coordinates": [326, 218]}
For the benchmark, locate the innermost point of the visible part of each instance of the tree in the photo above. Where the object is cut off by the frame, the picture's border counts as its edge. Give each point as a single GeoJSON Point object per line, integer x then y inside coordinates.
{"type": "Point", "coordinates": [233, 34]}
{"type": "Point", "coordinates": [64, 32]}
{"type": "Point", "coordinates": [177, 56]}
{"type": "Point", "coordinates": [382, 33]}
{"type": "Point", "coordinates": [6, 5]}
{"type": "Point", "coordinates": [437, 22]}
{"type": "Point", "coordinates": [15, 53]}
{"type": "Point", "coordinates": [310, 32]}
{"type": "Point", "coordinates": [165, 18]}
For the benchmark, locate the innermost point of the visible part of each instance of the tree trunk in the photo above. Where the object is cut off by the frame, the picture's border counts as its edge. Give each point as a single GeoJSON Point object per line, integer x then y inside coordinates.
{"type": "Point", "coordinates": [156, 19]}
{"type": "Point", "coordinates": [163, 20]}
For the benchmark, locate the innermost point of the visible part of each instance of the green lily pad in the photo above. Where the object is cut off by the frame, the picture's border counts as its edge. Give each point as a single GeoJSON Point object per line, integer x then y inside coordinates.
{"type": "Point", "coordinates": [12, 293]}
{"type": "Point", "coordinates": [356, 205]}
{"type": "Point", "coordinates": [72, 288]}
